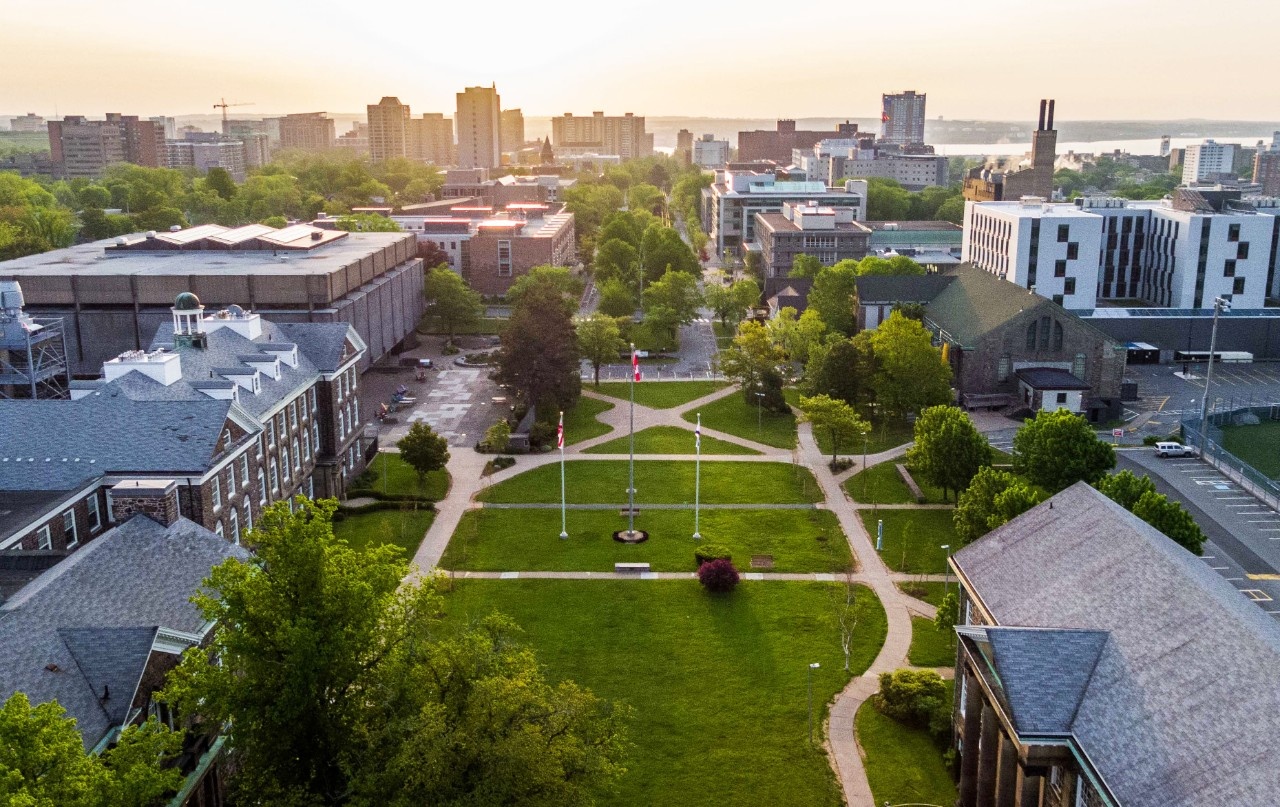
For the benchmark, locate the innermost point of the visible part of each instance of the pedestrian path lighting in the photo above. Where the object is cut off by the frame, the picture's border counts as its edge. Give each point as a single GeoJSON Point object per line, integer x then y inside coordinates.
{"type": "Point", "coordinates": [812, 667]}
{"type": "Point", "coordinates": [946, 581]}
{"type": "Point", "coordinates": [759, 411]}
{"type": "Point", "coordinates": [1220, 304]}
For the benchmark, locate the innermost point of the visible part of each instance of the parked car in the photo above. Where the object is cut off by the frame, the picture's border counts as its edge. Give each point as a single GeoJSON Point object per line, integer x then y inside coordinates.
{"type": "Point", "coordinates": [1174, 450]}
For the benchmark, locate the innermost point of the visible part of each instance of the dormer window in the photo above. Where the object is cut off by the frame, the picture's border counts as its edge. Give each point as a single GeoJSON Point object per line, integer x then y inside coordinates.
{"type": "Point", "coordinates": [226, 439]}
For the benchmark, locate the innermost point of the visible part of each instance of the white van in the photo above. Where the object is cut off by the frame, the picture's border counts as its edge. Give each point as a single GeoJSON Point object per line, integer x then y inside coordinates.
{"type": "Point", "coordinates": [1174, 450]}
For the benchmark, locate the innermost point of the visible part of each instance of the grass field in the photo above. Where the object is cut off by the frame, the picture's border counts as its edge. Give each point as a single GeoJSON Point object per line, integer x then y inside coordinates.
{"type": "Point", "coordinates": [718, 683]}
{"type": "Point", "coordinates": [669, 440]}
{"type": "Point", "coordinates": [580, 422]}
{"type": "Point", "coordinates": [930, 647]}
{"type": "Point", "coordinates": [913, 539]}
{"type": "Point", "coordinates": [499, 540]}
{"type": "Point", "coordinates": [1257, 445]}
{"type": "Point", "coordinates": [928, 591]}
{"type": "Point", "coordinates": [732, 414]}
{"type": "Point", "coordinates": [882, 484]}
{"type": "Point", "coordinates": [404, 528]}
{"type": "Point", "coordinates": [884, 434]}
{"type": "Point", "coordinates": [661, 395]}
{"type": "Point", "coordinates": [484, 326]}
{"type": "Point", "coordinates": [391, 475]}
{"type": "Point", "coordinates": [904, 764]}
{"type": "Point", "coordinates": [662, 482]}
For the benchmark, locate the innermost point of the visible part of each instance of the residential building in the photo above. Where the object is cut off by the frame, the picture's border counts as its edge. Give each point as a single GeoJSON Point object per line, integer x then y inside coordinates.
{"type": "Point", "coordinates": [431, 139]}
{"type": "Point", "coordinates": [479, 128]}
{"type": "Point", "coordinates": [29, 122]}
{"type": "Point", "coordinates": [512, 130]}
{"type": "Point", "coordinates": [255, 137]}
{"type": "Point", "coordinates": [243, 410]}
{"type": "Point", "coordinates": [113, 294]}
{"type": "Point", "coordinates": [826, 233]}
{"type": "Point", "coordinates": [836, 160]}
{"type": "Point", "coordinates": [1209, 161]}
{"type": "Point", "coordinates": [729, 206]}
{"type": "Point", "coordinates": [168, 124]}
{"type": "Point", "coordinates": [82, 148]}
{"type": "Point", "coordinates": [930, 243]}
{"type": "Point", "coordinates": [1266, 167]}
{"type": "Point", "coordinates": [684, 146]}
{"type": "Point", "coordinates": [709, 152]}
{"type": "Point", "coordinates": [474, 183]}
{"type": "Point", "coordinates": [28, 163]}
{"type": "Point", "coordinates": [355, 139]}
{"type": "Point", "coordinates": [1051, 249]}
{"type": "Point", "coordinates": [778, 145]}
{"type": "Point", "coordinates": [1003, 179]}
{"type": "Point", "coordinates": [902, 118]}
{"type": "Point", "coordinates": [388, 129]}
{"type": "Point", "coordinates": [98, 632]}
{"type": "Point", "coordinates": [623, 135]}
{"type": "Point", "coordinates": [1100, 663]}
{"type": "Point", "coordinates": [208, 150]}
{"type": "Point", "coordinates": [308, 131]}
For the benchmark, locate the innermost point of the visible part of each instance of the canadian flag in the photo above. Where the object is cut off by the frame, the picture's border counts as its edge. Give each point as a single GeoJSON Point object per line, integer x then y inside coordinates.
{"type": "Point", "coordinates": [635, 363]}
{"type": "Point", "coordinates": [560, 432]}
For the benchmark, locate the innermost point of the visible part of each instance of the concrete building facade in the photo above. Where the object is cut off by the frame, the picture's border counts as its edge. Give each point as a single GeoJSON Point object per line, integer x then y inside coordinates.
{"type": "Point", "coordinates": [479, 128]}
{"type": "Point", "coordinates": [29, 122]}
{"type": "Point", "coordinates": [307, 131]}
{"type": "Point", "coordinates": [81, 148]}
{"type": "Point", "coordinates": [826, 233]}
{"type": "Point", "coordinates": [623, 135]}
{"type": "Point", "coordinates": [902, 118]}
{"type": "Point", "coordinates": [777, 145]}
{"type": "Point", "coordinates": [211, 151]}
{"type": "Point", "coordinates": [707, 152]}
{"type": "Point", "coordinates": [730, 205]}
{"type": "Point", "coordinates": [1209, 161]}
{"type": "Point", "coordinates": [512, 130]}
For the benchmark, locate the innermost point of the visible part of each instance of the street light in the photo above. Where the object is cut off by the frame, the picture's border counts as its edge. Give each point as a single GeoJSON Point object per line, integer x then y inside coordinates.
{"type": "Point", "coordinates": [1220, 304]}
{"type": "Point", "coordinates": [759, 411]}
{"type": "Point", "coordinates": [812, 667]}
{"type": "Point", "coordinates": [946, 581]}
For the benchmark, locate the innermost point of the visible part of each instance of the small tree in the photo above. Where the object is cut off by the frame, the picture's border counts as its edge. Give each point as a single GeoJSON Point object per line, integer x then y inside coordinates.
{"type": "Point", "coordinates": [836, 418]}
{"type": "Point", "coordinates": [1172, 519]}
{"type": "Point", "coordinates": [1057, 449]}
{"type": "Point", "coordinates": [451, 301]}
{"type": "Point", "coordinates": [948, 613]}
{"type": "Point", "coordinates": [718, 576]}
{"type": "Point", "coordinates": [948, 449]}
{"type": "Point", "coordinates": [424, 451]}
{"type": "Point", "coordinates": [751, 355]}
{"type": "Point", "coordinates": [910, 374]}
{"type": "Point", "coordinates": [600, 340]}
{"type": "Point", "coordinates": [1125, 488]}
{"type": "Point", "coordinates": [848, 608]}
{"type": "Point", "coordinates": [497, 436]}
{"type": "Point", "coordinates": [911, 696]}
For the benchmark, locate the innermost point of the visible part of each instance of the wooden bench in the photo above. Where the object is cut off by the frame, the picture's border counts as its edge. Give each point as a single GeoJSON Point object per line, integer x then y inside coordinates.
{"type": "Point", "coordinates": [762, 561]}
{"type": "Point", "coordinates": [631, 567]}
{"type": "Point", "coordinates": [910, 482]}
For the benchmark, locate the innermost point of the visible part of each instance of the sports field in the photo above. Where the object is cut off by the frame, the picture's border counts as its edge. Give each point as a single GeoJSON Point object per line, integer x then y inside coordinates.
{"type": "Point", "coordinates": [1257, 445]}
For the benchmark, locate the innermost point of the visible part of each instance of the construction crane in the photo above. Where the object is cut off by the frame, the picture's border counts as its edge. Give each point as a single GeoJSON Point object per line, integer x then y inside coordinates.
{"type": "Point", "coordinates": [223, 106]}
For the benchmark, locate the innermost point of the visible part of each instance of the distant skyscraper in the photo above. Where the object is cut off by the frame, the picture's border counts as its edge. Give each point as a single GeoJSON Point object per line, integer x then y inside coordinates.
{"type": "Point", "coordinates": [310, 131]}
{"type": "Point", "coordinates": [479, 128]}
{"type": "Point", "coordinates": [902, 118]}
{"type": "Point", "coordinates": [431, 138]}
{"type": "Point", "coordinates": [623, 135]}
{"type": "Point", "coordinates": [512, 130]}
{"type": "Point", "coordinates": [1208, 161]}
{"type": "Point", "coordinates": [257, 143]}
{"type": "Point", "coordinates": [1266, 167]}
{"type": "Point", "coordinates": [684, 146]}
{"type": "Point", "coordinates": [388, 129]}
{"type": "Point", "coordinates": [82, 148]}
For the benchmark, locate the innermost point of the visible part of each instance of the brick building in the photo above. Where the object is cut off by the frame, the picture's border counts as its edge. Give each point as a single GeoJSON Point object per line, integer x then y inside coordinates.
{"type": "Point", "coordinates": [80, 147]}
{"type": "Point", "coordinates": [243, 411]}
{"type": "Point", "coordinates": [623, 135]}
{"type": "Point", "coordinates": [777, 145]}
{"type": "Point", "coordinates": [1099, 663]}
{"type": "Point", "coordinates": [308, 131]}
{"type": "Point", "coordinates": [829, 234]}
{"type": "Point", "coordinates": [1002, 178]}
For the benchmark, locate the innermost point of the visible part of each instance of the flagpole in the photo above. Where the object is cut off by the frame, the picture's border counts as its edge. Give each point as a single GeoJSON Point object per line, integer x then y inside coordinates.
{"type": "Point", "coordinates": [697, 477]}
{"type": "Point", "coordinates": [631, 466]}
{"type": "Point", "coordinates": [564, 529]}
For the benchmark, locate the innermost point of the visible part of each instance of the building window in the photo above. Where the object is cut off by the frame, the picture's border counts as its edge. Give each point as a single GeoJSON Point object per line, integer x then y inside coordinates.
{"type": "Point", "coordinates": [95, 514]}
{"type": "Point", "coordinates": [1233, 232]}
{"type": "Point", "coordinates": [1057, 335]}
{"type": "Point", "coordinates": [1237, 286]}
{"type": "Point", "coordinates": [1062, 398]}
{"type": "Point", "coordinates": [315, 438]}
{"type": "Point", "coordinates": [311, 486]}
{"type": "Point", "coordinates": [312, 393]}
{"type": "Point", "coordinates": [215, 493]}
{"type": "Point", "coordinates": [69, 532]}
{"type": "Point", "coordinates": [1064, 233]}
{"type": "Point", "coordinates": [1073, 250]}
{"type": "Point", "coordinates": [293, 414]}
{"type": "Point", "coordinates": [284, 461]}
{"type": "Point", "coordinates": [1242, 250]}
{"type": "Point", "coordinates": [1229, 268]}
{"type": "Point", "coordinates": [504, 259]}
{"type": "Point", "coordinates": [244, 470]}
{"type": "Point", "coordinates": [1077, 366]}
{"type": "Point", "coordinates": [44, 539]}
{"type": "Point", "coordinates": [1031, 336]}
{"type": "Point", "coordinates": [342, 425]}
{"type": "Point", "coordinates": [1059, 268]}
{"type": "Point", "coordinates": [1057, 298]}
{"type": "Point", "coordinates": [262, 486]}
{"type": "Point", "coordinates": [280, 420]}
{"type": "Point", "coordinates": [1002, 373]}
{"type": "Point", "coordinates": [234, 521]}
{"type": "Point", "coordinates": [297, 455]}
{"type": "Point", "coordinates": [1069, 286]}
{"type": "Point", "coordinates": [217, 528]}
{"type": "Point", "coordinates": [275, 477]}
{"type": "Point", "coordinates": [271, 433]}
{"type": "Point", "coordinates": [306, 448]}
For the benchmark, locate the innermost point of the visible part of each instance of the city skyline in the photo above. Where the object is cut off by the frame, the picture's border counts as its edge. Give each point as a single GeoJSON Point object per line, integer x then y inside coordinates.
{"type": "Point", "coordinates": [658, 59]}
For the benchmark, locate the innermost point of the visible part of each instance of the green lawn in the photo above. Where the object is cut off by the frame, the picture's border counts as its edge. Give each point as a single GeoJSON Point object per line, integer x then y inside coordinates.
{"type": "Point", "coordinates": [485, 325]}
{"type": "Point", "coordinates": [917, 550]}
{"type": "Point", "coordinates": [662, 482]}
{"type": "Point", "coordinates": [732, 414]}
{"type": "Point", "coordinates": [669, 440]}
{"type": "Point", "coordinates": [882, 484]}
{"type": "Point", "coordinates": [928, 591]}
{"type": "Point", "coordinates": [580, 422]}
{"type": "Point", "coordinates": [499, 540]}
{"type": "Point", "coordinates": [718, 683]}
{"type": "Point", "coordinates": [661, 394]}
{"type": "Point", "coordinates": [1257, 445]}
{"type": "Point", "coordinates": [930, 647]}
{"type": "Point", "coordinates": [405, 528]}
{"type": "Point", "coordinates": [884, 435]}
{"type": "Point", "coordinates": [904, 764]}
{"type": "Point", "coordinates": [389, 474]}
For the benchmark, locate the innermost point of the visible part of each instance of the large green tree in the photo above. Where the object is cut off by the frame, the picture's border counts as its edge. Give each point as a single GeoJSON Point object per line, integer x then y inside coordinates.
{"type": "Point", "coordinates": [671, 301]}
{"type": "Point", "coordinates": [600, 341]}
{"type": "Point", "coordinates": [339, 688]}
{"type": "Point", "coordinates": [616, 299]}
{"type": "Point", "coordinates": [910, 374]}
{"type": "Point", "coordinates": [1057, 449]}
{"type": "Point", "coordinates": [832, 296]}
{"type": "Point", "coordinates": [616, 260]}
{"type": "Point", "coordinates": [835, 418]}
{"type": "Point", "coordinates": [750, 357]}
{"type": "Point", "coordinates": [1138, 494]}
{"type": "Point", "coordinates": [732, 302]}
{"type": "Point", "coordinates": [556, 281]}
{"type": "Point", "coordinates": [662, 250]}
{"type": "Point", "coordinates": [367, 223]}
{"type": "Point", "coordinates": [803, 266]}
{"type": "Point", "coordinates": [948, 449]}
{"type": "Point", "coordinates": [452, 303]}
{"type": "Point", "coordinates": [43, 762]}
{"type": "Point", "coordinates": [843, 369]}
{"type": "Point", "coordinates": [539, 355]}
{"type": "Point", "coordinates": [992, 498]}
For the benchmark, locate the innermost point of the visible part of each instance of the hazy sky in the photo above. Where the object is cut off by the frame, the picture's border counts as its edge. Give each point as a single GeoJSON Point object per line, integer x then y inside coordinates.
{"type": "Point", "coordinates": [988, 59]}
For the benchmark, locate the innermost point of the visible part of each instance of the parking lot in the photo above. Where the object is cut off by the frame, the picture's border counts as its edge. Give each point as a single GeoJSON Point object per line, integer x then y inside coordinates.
{"type": "Point", "coordinates": [1163, 390]}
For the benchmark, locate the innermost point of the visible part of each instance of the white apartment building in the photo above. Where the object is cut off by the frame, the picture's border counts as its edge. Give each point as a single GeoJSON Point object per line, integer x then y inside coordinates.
{"type": "Point", "coordinates": [836, 160]}
{"type": "Point", "coordinates": [1178, 252]}
{"type": "Point", "coordinates": [1050, 248]}
{"type": "Point", "coordinates": [730, 205]}
{"type": "Point", "coordinates": [710, 153]}
{"type": "Point", "coordinates": [1205, 162]}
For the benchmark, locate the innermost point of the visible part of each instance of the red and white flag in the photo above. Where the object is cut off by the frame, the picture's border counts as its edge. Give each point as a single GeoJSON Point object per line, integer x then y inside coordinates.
{"type": "Point", "coordinates": [560, 432]}
{"type": "Point", "coordinates": [635, 363]}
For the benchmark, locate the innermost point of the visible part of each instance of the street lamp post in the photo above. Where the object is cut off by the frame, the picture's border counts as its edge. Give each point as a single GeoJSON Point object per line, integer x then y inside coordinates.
{"type": "Point", "coordinates": [1219, 305]}
{"type": "Point", "coordinates": [759, 411]}
{"type": "Point", "coordinates": [812, 667]}
{"type": "Point", "coordinates": [946, 581]}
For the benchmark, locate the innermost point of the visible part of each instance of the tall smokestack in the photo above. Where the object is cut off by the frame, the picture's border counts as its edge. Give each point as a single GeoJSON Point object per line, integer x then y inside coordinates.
{"type": "Point", "coordinates": [1050, 123]}
{"type": "Point", "coordinates": [1040, 125]}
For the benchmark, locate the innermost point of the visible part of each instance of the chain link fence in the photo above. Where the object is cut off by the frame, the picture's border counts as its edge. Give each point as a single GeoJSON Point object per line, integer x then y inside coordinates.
{"type": "Point", "coordinates": [1231, 466]}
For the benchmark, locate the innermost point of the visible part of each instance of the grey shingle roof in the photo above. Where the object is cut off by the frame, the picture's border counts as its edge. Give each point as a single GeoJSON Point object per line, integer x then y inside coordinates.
{"type": "Point", "coordinates": [900, 289]}
{"type": "Point", "coordinates": [1183, 705]}
{"type": "Point", "coordinates": [321, 342]}
{"type": "Point", "coordinates": [1050, 378]}
{"type": "Point", "coordinates": [139, 575]}
{"type": "Point", "coordinates": [1044, 673]}
{"type": "Point", "coordinates": [112, 661]}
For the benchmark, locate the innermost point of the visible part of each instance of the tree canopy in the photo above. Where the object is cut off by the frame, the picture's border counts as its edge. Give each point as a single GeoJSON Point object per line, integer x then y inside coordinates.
{"type": "Point", "coordinates": [424, 450]}
{"type": "Point", "coordinates": [1057, 449]}
{"type": "Point", "coordinates": [1138, 494]}
{"type": "Point", "coordinates": [751, 355]}
{"type": "Point", "coordinates": [452, 303]}
{"type": "Point", "coordinates": [948, 449]}
{"type": "Point", "coordinates": [832, 296]}
{"type": "Point", "coordinates": [600, 341]}
{"type": "Point", "coordinates": [671, 301]}
{"type": "Point", "coordinates": [843, 369]}
{"type": "Point", "coordinates": [910, 374]}
{"type": "Point", "coordinates": [539, 354]}
{"type": "Point", "coordinates": [834, 417]}
{"type": "Point", "coordinates": [992, 498]}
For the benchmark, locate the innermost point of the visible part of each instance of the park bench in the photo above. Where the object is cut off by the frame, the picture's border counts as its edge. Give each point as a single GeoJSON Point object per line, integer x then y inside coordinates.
{"type": "Point", "coordinates": [631, 567]}
{"type": "Point", "coordinates": [910, 483]}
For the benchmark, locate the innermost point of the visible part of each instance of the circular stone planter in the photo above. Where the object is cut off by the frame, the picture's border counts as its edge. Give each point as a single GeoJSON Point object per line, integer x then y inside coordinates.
{"type": "Point", "coordinates": [461, 361]}
{"type": "Point", "coordinates": [625, 537]}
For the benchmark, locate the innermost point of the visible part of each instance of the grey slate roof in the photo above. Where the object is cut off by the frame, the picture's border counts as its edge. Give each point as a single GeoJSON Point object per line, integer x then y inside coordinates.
{"type": "Point", "coordinates": [1183, 704]}
{"type": "Point", "coordinates": [138, 577]}
{"type": "Point", "coordinates": [321, 342]}
{"type": "Point", "coordinates": [1050, 378]}
{"type": "Point", "coordinates": [888, 289]}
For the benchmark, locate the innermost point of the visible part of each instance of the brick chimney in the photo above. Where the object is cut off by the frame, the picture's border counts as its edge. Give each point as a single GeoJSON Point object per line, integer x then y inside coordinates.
{"type": "Point", "coordinates": [156, 498]}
